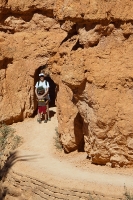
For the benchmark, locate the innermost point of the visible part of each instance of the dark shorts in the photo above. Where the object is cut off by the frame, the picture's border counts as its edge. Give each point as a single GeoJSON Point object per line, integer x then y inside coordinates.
{"type": "Point", "coordinates": [42, 109]}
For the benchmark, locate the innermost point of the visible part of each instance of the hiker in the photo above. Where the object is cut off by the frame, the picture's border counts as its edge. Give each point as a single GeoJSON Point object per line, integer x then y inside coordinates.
{"type": "Point", "coordinates": [42, 93]}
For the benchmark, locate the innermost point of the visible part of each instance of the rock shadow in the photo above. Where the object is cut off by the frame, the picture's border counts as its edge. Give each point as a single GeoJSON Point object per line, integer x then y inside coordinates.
{"type": "Point", "coordinates": [78, 131]}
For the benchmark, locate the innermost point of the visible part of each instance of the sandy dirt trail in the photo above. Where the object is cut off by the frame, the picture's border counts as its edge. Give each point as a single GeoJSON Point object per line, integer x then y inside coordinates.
{"type": "Point", "coordinates": [45, 163]}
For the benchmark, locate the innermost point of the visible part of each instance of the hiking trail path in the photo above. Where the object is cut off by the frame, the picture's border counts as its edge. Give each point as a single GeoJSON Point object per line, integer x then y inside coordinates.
{"type": "Point", "coordinates": [70, 170]}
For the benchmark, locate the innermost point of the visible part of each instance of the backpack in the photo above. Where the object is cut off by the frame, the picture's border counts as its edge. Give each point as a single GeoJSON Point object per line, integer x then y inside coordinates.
{"type": "Point", "coordinates": [40, 89]}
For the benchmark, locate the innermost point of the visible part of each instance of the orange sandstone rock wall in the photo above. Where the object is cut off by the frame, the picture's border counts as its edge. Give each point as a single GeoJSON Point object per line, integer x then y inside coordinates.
{"type": "Point", "coordinates": [28, 38]}
{"type": "Point", "coordinates": [88, 47]}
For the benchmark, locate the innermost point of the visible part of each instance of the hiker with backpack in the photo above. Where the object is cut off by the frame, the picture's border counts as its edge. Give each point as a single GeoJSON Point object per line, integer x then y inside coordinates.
{"type": "Point", "coordinates": [42, 93]}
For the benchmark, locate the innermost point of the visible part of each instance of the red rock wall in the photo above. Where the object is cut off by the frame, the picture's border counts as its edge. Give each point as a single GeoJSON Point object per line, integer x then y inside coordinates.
{"type": "Point", "coordinates": [88, 48]}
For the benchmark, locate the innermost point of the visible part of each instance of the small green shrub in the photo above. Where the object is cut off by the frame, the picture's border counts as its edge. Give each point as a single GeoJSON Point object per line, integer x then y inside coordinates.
{"type": "Point", "coordinates": [8, 142]}
{"type": "Point", "coordinates": [58, 144]}
{"type": "Point", "coordinates": [5, 132]}
{"type": "Point", "coordinates": [17, 141]}
{"type": "Point", "coordinates": [127, 195]}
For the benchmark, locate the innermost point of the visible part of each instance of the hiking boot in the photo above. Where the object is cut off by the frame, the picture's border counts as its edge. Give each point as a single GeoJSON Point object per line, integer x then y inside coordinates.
{"type": "Point", "coordinates": [39, 120]}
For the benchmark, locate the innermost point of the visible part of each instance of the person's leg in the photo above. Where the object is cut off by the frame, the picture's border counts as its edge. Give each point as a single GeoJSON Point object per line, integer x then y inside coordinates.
{"type": "Point", "coordinates": [45, 118]}
{"type": "Point", "coordinates": [45, 115]}
{"type": "Point", "coordinates": [48, 111]}
{"type": "Point", "coordinates": [39, 116]}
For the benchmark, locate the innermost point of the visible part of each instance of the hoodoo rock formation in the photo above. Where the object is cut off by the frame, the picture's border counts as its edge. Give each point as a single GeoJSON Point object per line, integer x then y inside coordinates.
{"type": "Point", "coordinates": [88, 47]}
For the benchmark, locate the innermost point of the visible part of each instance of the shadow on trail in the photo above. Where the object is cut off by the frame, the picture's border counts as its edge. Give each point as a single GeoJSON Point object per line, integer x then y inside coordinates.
{"type": "Point", "coordinates": [11, 160]}
{"type": "Point", "coordinates": [52, 113]}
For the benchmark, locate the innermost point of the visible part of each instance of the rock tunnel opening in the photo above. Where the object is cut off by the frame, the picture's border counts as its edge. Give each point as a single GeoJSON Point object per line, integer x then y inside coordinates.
{"type": "Point", "coordinates": [52, 89]}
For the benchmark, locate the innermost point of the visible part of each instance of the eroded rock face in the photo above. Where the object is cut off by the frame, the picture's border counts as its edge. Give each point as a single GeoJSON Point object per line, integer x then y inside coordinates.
{"type": "Point", "coordinates": [25, 45]}
{"type": "Point", "coordinates": [88, 49]}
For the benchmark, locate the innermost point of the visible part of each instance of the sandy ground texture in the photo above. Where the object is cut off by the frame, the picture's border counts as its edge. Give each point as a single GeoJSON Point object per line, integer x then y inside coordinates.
{"type": "Point", "coordinates": [74, 170]}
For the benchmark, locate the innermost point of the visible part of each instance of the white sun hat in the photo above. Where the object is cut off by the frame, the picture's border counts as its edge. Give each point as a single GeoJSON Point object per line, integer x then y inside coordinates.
{"type": "Point", "coordinates": [41, 74]}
